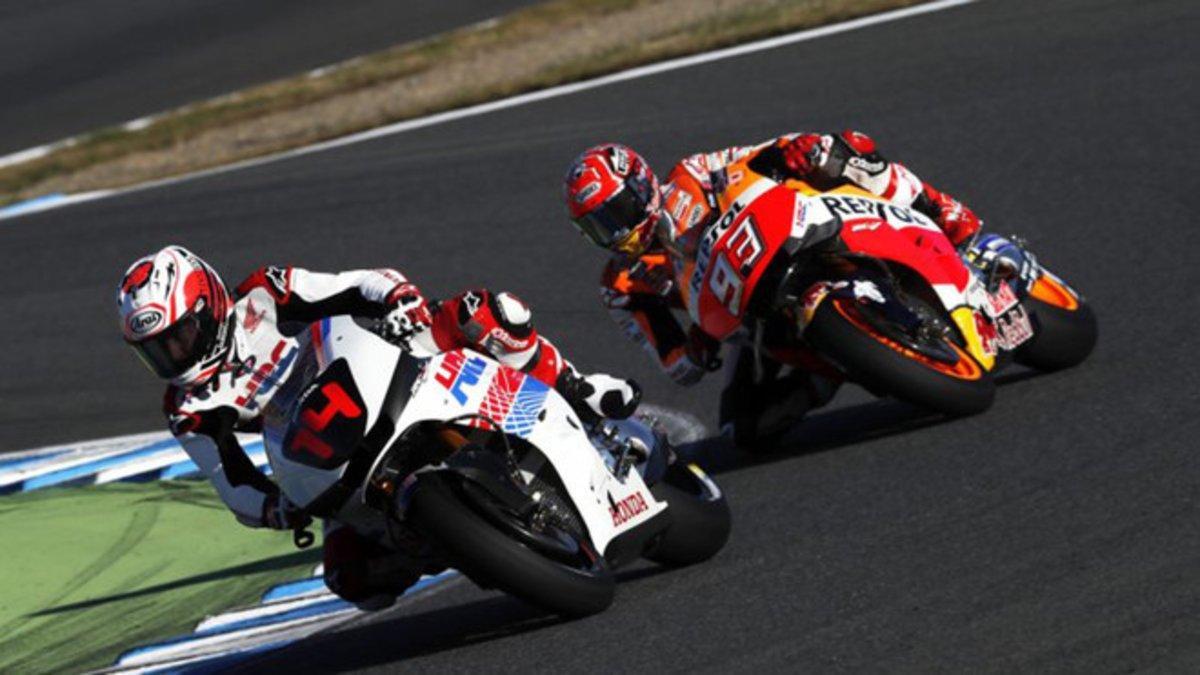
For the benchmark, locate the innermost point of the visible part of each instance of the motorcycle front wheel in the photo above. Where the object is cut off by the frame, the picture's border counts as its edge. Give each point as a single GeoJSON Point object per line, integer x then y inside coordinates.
{"type": "Point", "coordinates": [1064, 327]}
{"type": "Point", "coordinates": [954, 384]}
{"type": "Point", "coordinates": [700, 519]}
{"type": "Point", "coordinates": [440, 510]}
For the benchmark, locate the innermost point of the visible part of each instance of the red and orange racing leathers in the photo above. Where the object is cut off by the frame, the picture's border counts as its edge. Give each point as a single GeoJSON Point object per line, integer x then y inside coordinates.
{"type": "Point", "coordinates": [640, 292]}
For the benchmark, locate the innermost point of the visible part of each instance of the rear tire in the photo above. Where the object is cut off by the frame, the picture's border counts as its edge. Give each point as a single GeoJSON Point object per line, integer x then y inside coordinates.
{"type": "Point", "coordinates": [493, 559]}
{"type": "Point", "coordinates": [1062, 337]}
{"type": "Point", "coordinates": [879, 364]}
{"type": "Point", "coordinates": [700, 519]}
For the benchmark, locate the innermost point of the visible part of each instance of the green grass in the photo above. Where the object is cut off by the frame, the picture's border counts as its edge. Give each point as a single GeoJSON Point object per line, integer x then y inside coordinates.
{"type": "Point", "coordinates": [87, 572]}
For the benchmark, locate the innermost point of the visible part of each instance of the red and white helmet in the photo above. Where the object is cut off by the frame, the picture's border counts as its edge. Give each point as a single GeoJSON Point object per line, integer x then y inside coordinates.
{"type": "Point", "coordinates": [613, 197]}
{"type": "Point", "coordinates": [175, 313]}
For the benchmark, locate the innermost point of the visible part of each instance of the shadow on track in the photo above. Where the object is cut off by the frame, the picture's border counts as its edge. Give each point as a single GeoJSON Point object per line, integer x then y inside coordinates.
{"type": "Point", "coordinates": [827, 430]}
{"type": "Point", "coordinates": [407, 636]}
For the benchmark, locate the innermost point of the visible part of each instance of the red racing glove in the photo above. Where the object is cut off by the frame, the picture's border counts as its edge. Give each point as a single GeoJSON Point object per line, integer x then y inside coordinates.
{"type": "Point", "coordinates": [803, 154]}
{"type": "Point", "coordinates": [956, 220]}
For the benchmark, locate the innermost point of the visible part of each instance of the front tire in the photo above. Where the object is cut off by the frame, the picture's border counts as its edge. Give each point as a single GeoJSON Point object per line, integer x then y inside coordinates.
{"type": "Point", "coordinates": [1065, 328]}
{"type": "Point", "coordinates": [882, 364]}
{"type": "Point", "coordinates": [493, 559]}
{"type": "Point", "coordinates": [700, 518]}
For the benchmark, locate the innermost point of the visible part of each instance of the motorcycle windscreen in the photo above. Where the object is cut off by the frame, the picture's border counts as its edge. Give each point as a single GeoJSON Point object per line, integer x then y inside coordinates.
{"type": "Point", "coordinates": [180, 346]}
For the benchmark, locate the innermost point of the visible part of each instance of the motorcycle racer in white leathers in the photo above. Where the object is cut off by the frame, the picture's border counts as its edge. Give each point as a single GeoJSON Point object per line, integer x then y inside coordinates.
{"type": "Point", "coordinates": [225, 353]}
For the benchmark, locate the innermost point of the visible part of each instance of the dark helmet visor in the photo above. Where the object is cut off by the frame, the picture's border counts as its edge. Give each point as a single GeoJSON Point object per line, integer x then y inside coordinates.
{"type": "Point", "coordinates": [613, 220]}
{"type": "Point", "coordinates": [171, 352]}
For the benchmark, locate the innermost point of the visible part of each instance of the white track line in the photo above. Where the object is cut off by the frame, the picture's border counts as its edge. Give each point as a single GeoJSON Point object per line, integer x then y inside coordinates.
{"type": "Point", "coordinates": [523, 99]}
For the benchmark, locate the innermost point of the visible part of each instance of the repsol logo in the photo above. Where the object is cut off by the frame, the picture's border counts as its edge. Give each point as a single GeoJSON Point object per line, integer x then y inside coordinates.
{"type": "Point", "coordinates": [847, 207]}
{"type": "Point", "coordinates": [714, 233]}
{"type": "Point", "coordinates": [145, 321]}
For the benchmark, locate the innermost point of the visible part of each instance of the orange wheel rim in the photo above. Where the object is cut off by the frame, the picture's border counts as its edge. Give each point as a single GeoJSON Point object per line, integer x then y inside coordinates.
{"type": "Point", "coordinates": [965, 368]}
{"type": "Point", "coordinates": [1052, 292]}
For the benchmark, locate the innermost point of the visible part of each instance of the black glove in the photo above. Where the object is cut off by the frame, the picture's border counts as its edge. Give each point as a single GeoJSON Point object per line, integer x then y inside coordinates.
{"type": "Point", "coordinates": [281, 514]}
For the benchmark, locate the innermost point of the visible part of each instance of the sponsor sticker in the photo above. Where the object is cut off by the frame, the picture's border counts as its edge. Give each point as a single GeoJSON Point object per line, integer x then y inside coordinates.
{"type": "Point", "coordinates": [865, 289]}
{"type": "Point", "coordinates": [254, 317]}
{"type": "Point", "coordinates": [505, 338]}
{"type": "Point", "coordinates": [587, 193]}
{"type": "Point", "coordinates": [1001, 301]}
{"type": "Point", "coordinates": [619, 159]}
{"type": "Point", "coordinates": [850, 207]}
{"type": "Point", "coordinates": [472, 303]}
{"type": "Point", "coordinates": [873, 168]}
{"type": "Point", "coordinates": [458, 373]}
{"type": "Point", "coordinates": [278, 277]}
{"type": "Point", "coordinates": [145, 322]}
{"type": "Point", "coordinates": [1014, 327]}
{"type": "Point", "coordinates": [627, 509]}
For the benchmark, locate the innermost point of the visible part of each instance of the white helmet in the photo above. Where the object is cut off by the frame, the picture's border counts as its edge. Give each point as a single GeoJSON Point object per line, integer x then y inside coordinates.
{"type": "Point", "coordinates": [175, 313]}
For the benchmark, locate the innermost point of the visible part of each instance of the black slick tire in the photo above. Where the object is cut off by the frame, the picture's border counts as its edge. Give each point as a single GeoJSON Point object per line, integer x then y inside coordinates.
{"type": "Point", "coordinates": [700, 519]}
{"type": "Point", "coordinates": [491, 558]}
{"type": "Point", "coordinates": [1062, 337]}
{"type": "Point", "coordinates": [883, 369]}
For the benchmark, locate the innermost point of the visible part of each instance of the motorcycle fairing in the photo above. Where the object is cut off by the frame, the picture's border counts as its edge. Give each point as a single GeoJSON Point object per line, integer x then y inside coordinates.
{"type": "Point", "coordinates": [331, 417]}
{"type": "Point", "coordinates": [369, 371]}
{"type": "Point", "coordinates": [902, 235]}
{"type": "Point", "coordinates": [733, 254]}
{"type": "Point", "coordinates": [905, 236]}
{"type": "Point", "coordinates": [456, 384]}
{"type": "Point", "coordinates": [462, 383]}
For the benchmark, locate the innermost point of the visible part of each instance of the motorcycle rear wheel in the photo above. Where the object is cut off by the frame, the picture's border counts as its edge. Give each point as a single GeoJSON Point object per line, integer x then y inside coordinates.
{"type": "Point", "coordinates": [492, 559]}
{"type": "Point", "coordinates": [1065, 328]}
{"type": "Point", "coordinates": [882, 364]}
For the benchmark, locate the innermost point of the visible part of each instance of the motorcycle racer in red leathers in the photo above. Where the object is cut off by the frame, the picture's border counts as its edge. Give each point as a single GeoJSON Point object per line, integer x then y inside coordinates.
{"type": "Point", "coordinates": [617, 202]}
{"type": "Point", "coordinates": [224, 353]}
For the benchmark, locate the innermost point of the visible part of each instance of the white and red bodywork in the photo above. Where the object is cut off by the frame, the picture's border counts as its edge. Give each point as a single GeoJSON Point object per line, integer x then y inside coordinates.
{"type": "Point", "coordinates": [451, 386]}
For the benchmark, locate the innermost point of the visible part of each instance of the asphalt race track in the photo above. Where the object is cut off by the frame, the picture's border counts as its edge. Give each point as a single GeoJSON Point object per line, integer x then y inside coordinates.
{"type": "Point", "coordinates": [75, 65]}
{"type": "Point", "coordinates": [1060, 530]}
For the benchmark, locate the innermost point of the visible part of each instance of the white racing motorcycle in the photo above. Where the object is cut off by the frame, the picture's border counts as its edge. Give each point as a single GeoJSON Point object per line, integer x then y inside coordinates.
{"type": "Point", "coordinates": [493, 468]}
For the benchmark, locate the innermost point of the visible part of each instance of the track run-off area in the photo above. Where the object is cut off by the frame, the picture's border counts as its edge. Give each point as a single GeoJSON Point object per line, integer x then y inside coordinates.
{"type": "Point", "coordinates": [71, 66]}
{"type": "Point", "coordinates": [1058, 530]}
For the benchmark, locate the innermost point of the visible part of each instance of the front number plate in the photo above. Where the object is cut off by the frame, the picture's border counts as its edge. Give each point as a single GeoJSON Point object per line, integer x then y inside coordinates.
{"type": "Point", "coordinates": [1014, 327]}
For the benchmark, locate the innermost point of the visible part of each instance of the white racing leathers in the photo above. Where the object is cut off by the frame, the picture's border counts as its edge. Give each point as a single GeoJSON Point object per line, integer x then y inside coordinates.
{"type": "Point", "coordinates": [204, 418]}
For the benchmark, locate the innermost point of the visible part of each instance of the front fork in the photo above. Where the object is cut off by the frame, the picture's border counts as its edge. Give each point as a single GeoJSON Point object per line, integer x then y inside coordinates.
{"type": "Point", "coordinates": [632, 444]}
{"type": "Point", "coordinates": [1003, 274]}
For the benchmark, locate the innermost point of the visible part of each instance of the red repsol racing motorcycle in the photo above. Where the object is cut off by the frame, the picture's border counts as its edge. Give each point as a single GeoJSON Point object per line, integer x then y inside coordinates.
{"type": "Point", "coordinates": [846, 284]}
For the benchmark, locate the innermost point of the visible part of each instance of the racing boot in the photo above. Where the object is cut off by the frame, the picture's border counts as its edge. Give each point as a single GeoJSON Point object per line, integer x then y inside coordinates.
{"type": "Point", "coordinates": [372, 576]}
{"type": "Point", "coordinates": [758, 409]}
